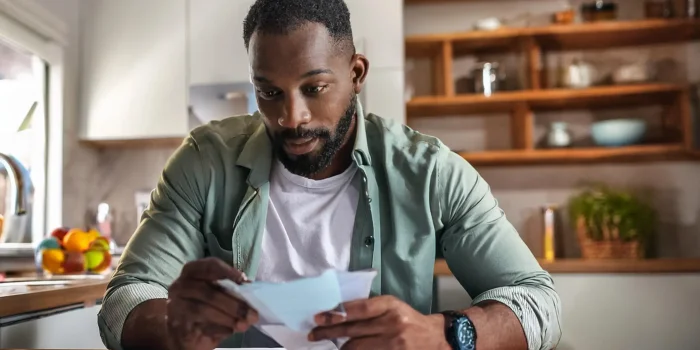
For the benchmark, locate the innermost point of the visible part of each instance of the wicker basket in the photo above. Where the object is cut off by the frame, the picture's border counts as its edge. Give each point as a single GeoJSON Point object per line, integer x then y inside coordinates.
{"type": "Point", "coordinates": [611, 247]}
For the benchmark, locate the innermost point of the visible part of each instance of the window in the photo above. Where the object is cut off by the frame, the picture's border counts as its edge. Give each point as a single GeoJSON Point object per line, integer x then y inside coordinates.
{"type": "Point", "coordinates": [31, 120]}
{"type": "Point", "coordinates": [22, 132]}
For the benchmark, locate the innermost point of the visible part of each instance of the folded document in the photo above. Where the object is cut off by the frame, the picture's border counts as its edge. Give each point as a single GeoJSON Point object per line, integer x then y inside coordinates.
{"type": "Point", "coordinates": [287, 309]}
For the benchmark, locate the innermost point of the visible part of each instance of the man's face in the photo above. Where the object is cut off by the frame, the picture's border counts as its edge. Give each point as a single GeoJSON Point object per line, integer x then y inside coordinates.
{"type": "Point", "coordinates": [305, 89]}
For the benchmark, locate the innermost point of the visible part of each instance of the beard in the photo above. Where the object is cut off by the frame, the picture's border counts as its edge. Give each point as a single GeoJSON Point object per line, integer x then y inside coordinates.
{"type": "Point", "coordinates": [313, 162]}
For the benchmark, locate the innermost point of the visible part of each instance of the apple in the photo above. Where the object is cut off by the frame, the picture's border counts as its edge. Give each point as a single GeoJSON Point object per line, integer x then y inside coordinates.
{"type": "Point", "coordinates": [59, 233]}
{"type": "Point", "coordinates": [100, 243]}
{"type": "Point", "coordinates": [49, 243]}
{"type": "Point", "coordinates": [98, 260]}
{"type": "Point", "coordinates": [74, 262]}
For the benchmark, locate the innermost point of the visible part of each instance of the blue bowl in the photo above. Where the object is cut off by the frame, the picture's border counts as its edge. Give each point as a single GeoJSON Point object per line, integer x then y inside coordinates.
{"type": "Point", "coordinates": [618, 132]}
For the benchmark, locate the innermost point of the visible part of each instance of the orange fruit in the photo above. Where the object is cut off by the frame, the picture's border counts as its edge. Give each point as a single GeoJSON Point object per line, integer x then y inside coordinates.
{"type": "Point", "coordinates": [52, 260]}
{"type": "Point", "coordinates": [76, 240]}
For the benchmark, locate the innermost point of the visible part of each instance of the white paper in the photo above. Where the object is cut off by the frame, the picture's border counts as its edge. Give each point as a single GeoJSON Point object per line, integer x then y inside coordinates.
{"type": "Point", "coordinates": [287, 309]}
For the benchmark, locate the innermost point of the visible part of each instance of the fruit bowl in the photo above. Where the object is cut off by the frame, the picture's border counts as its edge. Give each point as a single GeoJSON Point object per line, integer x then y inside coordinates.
{"type": "Point", "coordinates": [72, 251]}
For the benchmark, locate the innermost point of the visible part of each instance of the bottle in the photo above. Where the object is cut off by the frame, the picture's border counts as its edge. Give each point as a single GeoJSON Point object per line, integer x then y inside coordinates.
{"type": "Point", "coordinates": [553, 244]}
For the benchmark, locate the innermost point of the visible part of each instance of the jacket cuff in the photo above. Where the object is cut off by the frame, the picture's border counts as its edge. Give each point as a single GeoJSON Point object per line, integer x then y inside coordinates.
{"type": "Point", "coordinates": [528, 309]}
{"type": "Point", "coordinates": [117, 307]}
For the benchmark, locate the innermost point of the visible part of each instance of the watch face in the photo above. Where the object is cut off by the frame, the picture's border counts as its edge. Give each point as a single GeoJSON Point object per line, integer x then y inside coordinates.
{"type": "Point", "coordinates": [465, 334]}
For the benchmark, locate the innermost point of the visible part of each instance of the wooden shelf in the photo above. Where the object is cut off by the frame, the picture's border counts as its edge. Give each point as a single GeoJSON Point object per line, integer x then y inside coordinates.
{"type": "Point", "coordinates": [598, 35]}
{"type": "Point", "coordinates": [649, 266]}
{"type": "Point", "coordinates": [548, 99]}
{"type": "Point", "coordinates": [578, 156]}
{"type": "Point", "coordinates": [167, 142]}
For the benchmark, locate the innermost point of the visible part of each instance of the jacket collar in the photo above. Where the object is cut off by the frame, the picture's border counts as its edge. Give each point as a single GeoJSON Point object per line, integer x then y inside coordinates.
{"type": "Point", "coordinates": [257, 155]}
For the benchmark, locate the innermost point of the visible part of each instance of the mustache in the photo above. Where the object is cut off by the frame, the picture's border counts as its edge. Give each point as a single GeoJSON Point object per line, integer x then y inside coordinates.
{"type": "Point", "coordinates": [300, 133]}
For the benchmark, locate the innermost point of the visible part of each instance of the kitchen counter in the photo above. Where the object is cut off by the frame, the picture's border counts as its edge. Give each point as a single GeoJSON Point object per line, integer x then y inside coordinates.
{"type": "Point", "coordinates": [23, 296]}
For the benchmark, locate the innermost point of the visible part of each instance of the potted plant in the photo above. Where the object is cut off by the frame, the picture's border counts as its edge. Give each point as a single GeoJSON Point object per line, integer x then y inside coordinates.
{"type": "Point", "coordinates": [611, 224]}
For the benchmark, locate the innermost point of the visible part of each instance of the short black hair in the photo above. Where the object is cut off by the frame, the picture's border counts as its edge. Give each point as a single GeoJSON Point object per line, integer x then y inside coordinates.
{"type": "Point", "coordinates": [284, 16]}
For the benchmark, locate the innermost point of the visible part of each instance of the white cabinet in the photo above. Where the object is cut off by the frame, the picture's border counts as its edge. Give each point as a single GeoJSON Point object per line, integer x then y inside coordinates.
{"type": "Point", "coordinates": [134, 69]}
{"type": "Point", "coordinates": [217, 53]}
{"type": "Point", "coordinates": [75, 329]}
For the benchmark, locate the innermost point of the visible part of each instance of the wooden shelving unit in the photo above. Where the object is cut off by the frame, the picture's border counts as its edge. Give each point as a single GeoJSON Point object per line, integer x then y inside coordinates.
{"type": "Point", "coordinates": [544, 100]}
{"type": "Point", "coordinates": [558, 37]}
{"type": "Point", "coordinates": [578, 155]}
{"type": "Point", "coordinates": [168, 142]}
{"type": "Point", "coordinates": [534, 44]}
{"type": "Point", "coordinates": [642, 266]}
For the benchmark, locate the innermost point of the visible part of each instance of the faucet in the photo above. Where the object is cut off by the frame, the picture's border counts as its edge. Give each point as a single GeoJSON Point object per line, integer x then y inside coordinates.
{"type": "Point", "coordinates": [17, 184]}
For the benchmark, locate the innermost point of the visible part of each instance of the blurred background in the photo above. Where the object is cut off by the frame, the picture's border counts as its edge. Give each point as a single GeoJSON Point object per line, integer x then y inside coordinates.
{"type": "Point", "coordinates": [581, 115]}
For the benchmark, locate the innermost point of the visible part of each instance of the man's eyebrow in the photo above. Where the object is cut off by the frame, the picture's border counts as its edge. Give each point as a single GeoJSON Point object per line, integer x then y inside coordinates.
{"type": "Point", "coordinates": [262, 79]}
{"type": "Point", "coordinates": [316, 72]}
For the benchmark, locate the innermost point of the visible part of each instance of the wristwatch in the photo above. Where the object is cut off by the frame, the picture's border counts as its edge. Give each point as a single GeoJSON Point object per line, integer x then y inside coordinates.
{"type": "Point", "coordinates": [459, 331]}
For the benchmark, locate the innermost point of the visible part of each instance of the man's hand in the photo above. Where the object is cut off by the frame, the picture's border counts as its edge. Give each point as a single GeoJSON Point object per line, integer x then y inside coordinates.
{"type": "Point", "coordinates": [383, 322]}
{"type": "Point", "coordinates": [199, 313]}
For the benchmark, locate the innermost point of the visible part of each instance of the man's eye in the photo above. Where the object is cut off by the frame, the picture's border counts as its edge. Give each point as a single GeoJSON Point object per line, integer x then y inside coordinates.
{"type": "Point", "coordinates": [316, 89]}
{"type": "Point", "coordinates": [268, 93]}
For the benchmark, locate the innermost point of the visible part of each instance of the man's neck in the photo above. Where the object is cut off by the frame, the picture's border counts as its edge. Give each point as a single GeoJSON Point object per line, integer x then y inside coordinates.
{"type": "Point", "coordinates": [343, 158]}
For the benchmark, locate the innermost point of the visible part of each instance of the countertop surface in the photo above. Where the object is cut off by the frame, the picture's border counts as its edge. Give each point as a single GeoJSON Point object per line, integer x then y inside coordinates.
{"type": "Point", "coordinates": [25, 295]}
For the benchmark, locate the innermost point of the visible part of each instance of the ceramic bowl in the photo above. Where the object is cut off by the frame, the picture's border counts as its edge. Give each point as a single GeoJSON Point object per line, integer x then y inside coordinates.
{"type": "Point", "coordinates": [618, 132]}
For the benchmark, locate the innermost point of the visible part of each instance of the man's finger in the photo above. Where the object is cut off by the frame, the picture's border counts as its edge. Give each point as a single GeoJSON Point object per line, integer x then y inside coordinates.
{"type": "Point", "coordinates": [213, 297]}
{"type": "Point", "coordinates": [185, 314]}
{"type": "Point", "coordinates": [212, 269]}
{"type": "Point", "coordinates": [357, 310]}
{"type": "Point", "coordinates": [364, 328]}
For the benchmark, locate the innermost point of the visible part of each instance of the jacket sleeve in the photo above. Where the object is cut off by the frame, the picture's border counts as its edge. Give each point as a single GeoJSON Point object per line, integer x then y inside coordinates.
{"type": "Point", "coordinates": [167, 238]}
{"type": "Point", "coordinates": [488, 257]}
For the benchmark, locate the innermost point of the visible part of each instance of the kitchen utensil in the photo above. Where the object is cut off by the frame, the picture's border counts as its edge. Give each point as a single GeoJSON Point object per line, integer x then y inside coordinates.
{"type": "Point", "coordinates": [599, 11]}
{"type": "Point", "coordinates": [618, 132]}
{"type": "Point", "coordinates": [564, 17]}
{"type": "Point", "coordinates": [488, 78]}
{"type": "Point", "coordinates": [558, 135]}
{"type": "Point", "coordinates": [632, 73]}
{"type": "Point", "coordinates": [491, 23]}
{"type": "Point", "coordinates": [578, 75]}
{"type": "Point", "coordinates": [692, 9]}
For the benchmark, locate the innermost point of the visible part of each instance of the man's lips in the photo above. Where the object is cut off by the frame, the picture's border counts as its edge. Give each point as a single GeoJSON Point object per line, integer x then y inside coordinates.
{"type": "Point", "coordinates": [300, 146]}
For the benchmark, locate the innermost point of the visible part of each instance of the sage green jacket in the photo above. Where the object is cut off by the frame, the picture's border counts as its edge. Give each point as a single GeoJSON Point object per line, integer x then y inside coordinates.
{"type": "Point", "coordinates": [417, 197]}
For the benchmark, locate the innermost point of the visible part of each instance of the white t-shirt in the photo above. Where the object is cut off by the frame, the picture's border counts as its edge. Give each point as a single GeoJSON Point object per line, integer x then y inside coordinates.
{"type": "Point", "coordinates": [309, 224]}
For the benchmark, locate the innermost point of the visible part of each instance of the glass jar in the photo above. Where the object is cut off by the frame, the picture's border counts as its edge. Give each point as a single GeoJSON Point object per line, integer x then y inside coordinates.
{"type": "Point", "coordinates": [559, 135]}
{"type": "Point", "coordinates": [599, 11]}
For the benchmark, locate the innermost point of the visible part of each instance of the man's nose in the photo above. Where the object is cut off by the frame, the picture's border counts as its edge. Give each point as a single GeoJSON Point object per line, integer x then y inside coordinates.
{"type": "Point", "coordinates": [296, 112]}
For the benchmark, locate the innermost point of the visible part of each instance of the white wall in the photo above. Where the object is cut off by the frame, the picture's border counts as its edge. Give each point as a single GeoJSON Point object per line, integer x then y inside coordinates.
{"type": "Point", "coordinates": [79, 162]}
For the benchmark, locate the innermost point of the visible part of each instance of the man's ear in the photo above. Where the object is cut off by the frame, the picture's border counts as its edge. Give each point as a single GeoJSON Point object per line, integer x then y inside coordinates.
{"type": "Point", "coordinates": [360, 67]}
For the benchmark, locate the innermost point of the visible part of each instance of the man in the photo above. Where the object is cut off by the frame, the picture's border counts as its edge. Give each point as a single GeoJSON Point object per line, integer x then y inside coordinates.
{"type": "Point", "coordinates": [309, 183]}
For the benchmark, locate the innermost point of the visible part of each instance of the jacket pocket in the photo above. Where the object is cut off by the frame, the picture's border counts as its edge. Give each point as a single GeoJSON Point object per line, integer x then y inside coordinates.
{"type": "Point", "coordinates": [215, 249]}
